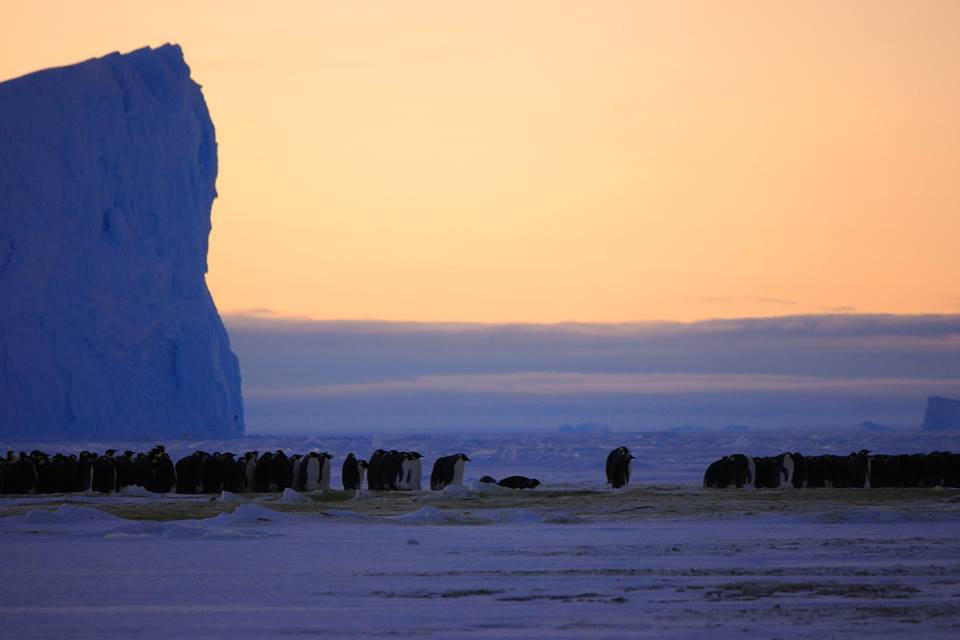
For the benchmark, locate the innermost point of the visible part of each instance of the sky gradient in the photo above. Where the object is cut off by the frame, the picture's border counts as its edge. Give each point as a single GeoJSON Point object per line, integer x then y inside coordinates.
{"type": "Point", "coordinates": [551, 161]}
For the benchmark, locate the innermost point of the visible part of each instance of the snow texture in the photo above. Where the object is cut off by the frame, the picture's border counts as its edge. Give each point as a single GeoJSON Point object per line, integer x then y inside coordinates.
{"type": "Point", "coordinates": [107, 176]}
{"type": "Point", "coordinates": [662, 558]}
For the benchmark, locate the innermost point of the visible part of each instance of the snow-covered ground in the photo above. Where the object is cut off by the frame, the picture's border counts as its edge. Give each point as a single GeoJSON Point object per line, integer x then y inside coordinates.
{"type": "Point", "coordinates": [568, 560]}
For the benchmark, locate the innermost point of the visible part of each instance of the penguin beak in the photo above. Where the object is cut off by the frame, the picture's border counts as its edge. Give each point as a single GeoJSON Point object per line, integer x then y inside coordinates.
{"type": "Point", "coordinates": [465, 458]}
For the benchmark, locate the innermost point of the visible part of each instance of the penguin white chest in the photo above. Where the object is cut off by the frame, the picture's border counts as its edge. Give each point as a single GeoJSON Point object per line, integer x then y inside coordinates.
{"type": "Point", "coordinates": [417, 475]}
{"type": "Point", "coordinates": [752, 466]}
{"type": "Point", "coordinates": [251, 473]}
{"type": "Point", "coordinates": [458, 472]}
{"type": "Point", "coordinates": [325, 475]}
{"type": "Point", "coordinates": [787, 475]}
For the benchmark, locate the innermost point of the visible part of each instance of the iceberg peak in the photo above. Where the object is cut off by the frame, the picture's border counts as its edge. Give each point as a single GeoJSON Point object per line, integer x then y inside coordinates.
{"type": "Point", "coordinates": [107, 175]}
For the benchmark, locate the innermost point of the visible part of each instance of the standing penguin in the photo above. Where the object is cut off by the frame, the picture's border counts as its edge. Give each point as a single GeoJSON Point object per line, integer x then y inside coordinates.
{"type": "Point", "coordinates": [84, 471]}
{"type": "Point", "coordinates": [105, 473]}
{"type": "Point", "coordinates": [211, 474]}
{"type": "Point", "coordinates": [325, 458]}
{"type": "Point", "coordinates": [164, 471]}
{"type": "Point", "coordinates": [352, 472]}
{"type": "Point", "coordinates": [248, 478]}
{"type": "Point", "coordinates": [448, 470]}
{"type": "Point", "coordinates": [413, 471]}
{"type": "Point", "coordinates": [297, 461]}
{"type": "Point", "coordinates": [311, 472]}
{"type": "Point", "coordinates": [281, 471]}
{"type": "Point", "coordinates": [189, 473]}
{"type": "Point", "coordinates": [143, 472]}
{"type": "Point", "coordinates": [373, 470]}
{"type": "Point", "coordinates": [230, 472]}
{"type": "Point", "coordinates": [392, 469]}
{"type": "Point", "coordinates": [126, 471]}
{"type": "Point", "coordinates": [618, 467]}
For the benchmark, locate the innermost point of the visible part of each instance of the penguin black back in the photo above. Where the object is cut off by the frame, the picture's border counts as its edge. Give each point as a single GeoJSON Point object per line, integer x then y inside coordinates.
{"type": "Point", "coordinates": [350, 473]}
{"type": "Point", "coordinates": [105, 473]}
{"type": "Point", "coordinates": [618, 467]}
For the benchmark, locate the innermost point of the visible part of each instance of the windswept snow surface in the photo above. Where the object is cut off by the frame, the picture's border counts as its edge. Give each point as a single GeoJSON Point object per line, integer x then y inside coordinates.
{"type": "Point", "coordinates": [571, 559]}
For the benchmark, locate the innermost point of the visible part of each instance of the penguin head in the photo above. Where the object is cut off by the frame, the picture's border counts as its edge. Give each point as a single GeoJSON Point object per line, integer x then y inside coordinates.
{"type": "Point", "coordinates": [534, 483]}
{"type": "Point", "coordinates": [363, 464]}
{"type": "Point", "coordinates": [463, 457]}
{"type": "Point", "coordinates": [416, 455]}
{"type": "Point", "coordinates": [326, 456]}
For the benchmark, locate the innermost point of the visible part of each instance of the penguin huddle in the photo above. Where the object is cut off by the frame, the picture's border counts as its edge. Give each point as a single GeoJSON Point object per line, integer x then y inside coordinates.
{"type": "Point", "coordinates": [858, 469]}
{"type": "Point", "coordinates": [86, 471]}
{"type": "Point", "coordinates": [201, 472]}
{"type": "Point", "coordinates": [394, 471]}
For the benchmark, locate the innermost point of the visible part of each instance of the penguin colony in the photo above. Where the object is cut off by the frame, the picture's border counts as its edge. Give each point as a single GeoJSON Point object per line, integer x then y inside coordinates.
{"type": "Point", "coordinates": [860, 469]}
{"type": "Point", "coordinates": [271, 472]}
{"type": "Point", "coordinates": [202, 472]}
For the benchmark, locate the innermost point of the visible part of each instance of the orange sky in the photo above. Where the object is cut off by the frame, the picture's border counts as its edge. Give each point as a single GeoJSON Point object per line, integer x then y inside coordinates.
{"type": "Point", "coordinates": [550, 161]}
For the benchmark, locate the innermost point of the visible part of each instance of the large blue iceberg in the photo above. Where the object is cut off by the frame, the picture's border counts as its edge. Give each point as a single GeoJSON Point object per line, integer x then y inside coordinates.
{"type": "Point", "coordinates": [107, 175]}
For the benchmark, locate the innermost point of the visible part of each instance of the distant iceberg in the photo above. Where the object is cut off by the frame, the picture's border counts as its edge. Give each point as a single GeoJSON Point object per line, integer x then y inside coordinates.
{"type": "Point", "coordinates": [593, 428]}
{"type": "Point", "coordinates": [107, 175]}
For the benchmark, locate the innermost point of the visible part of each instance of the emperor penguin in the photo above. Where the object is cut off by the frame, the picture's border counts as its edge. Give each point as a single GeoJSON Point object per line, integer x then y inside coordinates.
{"type": "Point", "coordinates": [787, 470]}
{"type": "Point", "coordinates": [297, 460]}
{"type": "Point", "coordinates": [84, 479]}
{"type": "Point", "coordinates": [310, 472]}
{"type": "Point", "coordinates": [189, 471]}
{"type": "Point", "coordinates": [618, 467]}
{"type": "Point", "coordinates": [519, 482]}
{"type": "Point", "coordinates": [448, 470]}
{"type": "Point", "coordinates": [248, 482]}
{"type": "Point", "coordinates": [105, 473]}
{"type": "Point", "coordinates": [406, 471]}
{"type": "Point", "coordinates": [165, 473]}
{"type": "Point", "coordinates": [374, 481]}
{"type": "Point", "coordinates": [416, 471]}
{"type": "Point", "coordinates": [352, 473]}
{"type": "Point", "coordinates": [126, 471]}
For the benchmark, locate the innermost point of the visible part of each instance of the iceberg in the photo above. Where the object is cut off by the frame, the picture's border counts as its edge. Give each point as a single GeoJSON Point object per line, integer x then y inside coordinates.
{"type": "Point", "coordinates": [107, 176]}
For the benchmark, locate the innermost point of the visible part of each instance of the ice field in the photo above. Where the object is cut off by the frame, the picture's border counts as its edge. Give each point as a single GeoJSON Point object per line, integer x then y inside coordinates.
{"type": "Point", "coordinates": [571, 559]}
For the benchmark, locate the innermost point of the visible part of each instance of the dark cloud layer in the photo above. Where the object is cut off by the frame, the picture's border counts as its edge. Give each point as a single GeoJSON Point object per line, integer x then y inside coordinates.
{"type": "Point", "coordinates": [788, 371]}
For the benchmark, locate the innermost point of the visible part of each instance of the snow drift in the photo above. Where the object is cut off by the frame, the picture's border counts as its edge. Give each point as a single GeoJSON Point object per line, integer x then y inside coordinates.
{"type": "Point", "coordinates": [107, 176]}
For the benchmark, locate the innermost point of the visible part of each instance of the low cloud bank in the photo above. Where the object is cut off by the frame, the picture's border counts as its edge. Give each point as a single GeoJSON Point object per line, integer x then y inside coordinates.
{"type": "Point", "coordinates": [794, 371]}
